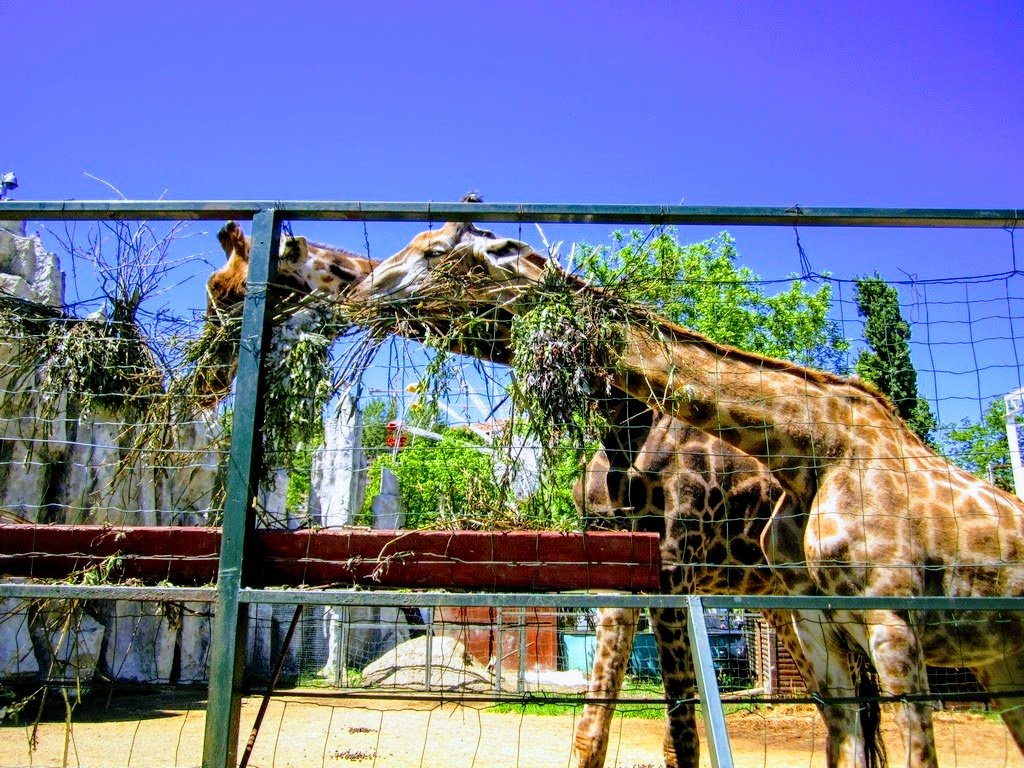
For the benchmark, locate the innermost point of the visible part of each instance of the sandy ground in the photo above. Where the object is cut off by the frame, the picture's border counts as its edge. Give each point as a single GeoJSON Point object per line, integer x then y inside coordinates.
{"type": "Point", "coordinates": [166, 729]}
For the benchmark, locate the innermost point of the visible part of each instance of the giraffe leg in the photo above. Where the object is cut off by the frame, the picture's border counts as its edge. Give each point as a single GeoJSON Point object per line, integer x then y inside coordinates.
{"type": "Point", "coordinates": [616, 629]}
{"type": "Point", "coordinates": [827, 665]}
{"type": "Point", "coordinates": [1006, 675]}
{"type": "Point", "coordinates": [899, 661]}
{"type": "Point", "coordinates": [830, 669]}
{"type": "Point", "coordinates": [682, 748]}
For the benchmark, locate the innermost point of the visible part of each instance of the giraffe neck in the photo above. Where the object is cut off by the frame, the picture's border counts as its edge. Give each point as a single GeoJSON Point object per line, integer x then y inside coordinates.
{"type": "Point", "coordinates": [796, 420]}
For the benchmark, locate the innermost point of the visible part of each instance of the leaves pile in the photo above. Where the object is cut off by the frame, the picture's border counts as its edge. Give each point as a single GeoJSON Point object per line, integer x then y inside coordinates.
{"type": "Point", "coordinates": [298, 375]}
{"type": "Point", "coordinates": [564, 347]}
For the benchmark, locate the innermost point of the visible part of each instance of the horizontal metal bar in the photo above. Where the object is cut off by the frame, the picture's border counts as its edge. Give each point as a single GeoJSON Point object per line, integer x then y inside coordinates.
{"type": "Point", "coordinates": [313, 210]}
{"type": "Point", "coordinates": [514, 599]}
{"type": "Point", "coordinates": [602, 599]}
{"type": "Point", "coordinates": [108, 592]}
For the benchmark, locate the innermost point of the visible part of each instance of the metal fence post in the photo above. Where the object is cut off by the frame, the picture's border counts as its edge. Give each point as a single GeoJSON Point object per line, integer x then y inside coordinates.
{"type": "Point", "coordinates": [230, 621]}
{"type": "Point", "coordinates": [707, 686]}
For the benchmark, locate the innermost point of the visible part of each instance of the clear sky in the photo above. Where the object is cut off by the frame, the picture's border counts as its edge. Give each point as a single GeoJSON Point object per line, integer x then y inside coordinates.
{"type": "Point", "coordinates": [762, 103]}
{"type": "Point", "coordinates": [716, 103]}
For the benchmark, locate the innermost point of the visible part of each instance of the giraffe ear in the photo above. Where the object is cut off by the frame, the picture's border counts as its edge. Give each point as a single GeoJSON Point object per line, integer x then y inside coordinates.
{"type": "Point", "coordinates": [294, 250]}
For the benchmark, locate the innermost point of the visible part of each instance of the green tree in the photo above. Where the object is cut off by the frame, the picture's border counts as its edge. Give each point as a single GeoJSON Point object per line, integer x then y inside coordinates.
{"type": "Point", "coordinates": [446, 482]}
{"type": "Point", "coordinates": [700, 286]}
{"type": "Point", "coordinates": [886, 362]}
{"type": "Point", "coordinates": [982, 447]}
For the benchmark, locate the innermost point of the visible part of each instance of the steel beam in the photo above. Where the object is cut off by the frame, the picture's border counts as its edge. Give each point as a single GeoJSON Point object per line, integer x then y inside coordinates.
{"type": "Point", "coordinates": [230, 620]}
{"type": "Point", "coordinates": [316, 210]}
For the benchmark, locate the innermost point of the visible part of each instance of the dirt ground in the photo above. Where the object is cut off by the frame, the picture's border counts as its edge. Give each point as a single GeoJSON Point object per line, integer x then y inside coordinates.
{"type": "Point", "coordinates": [166, 729]}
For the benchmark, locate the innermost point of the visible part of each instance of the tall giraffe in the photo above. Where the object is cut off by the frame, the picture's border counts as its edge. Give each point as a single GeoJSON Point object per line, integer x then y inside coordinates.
{"type": "Point", "coordinates": [881, 514]}
{"type": "Point", "coordinates": [651, 469]}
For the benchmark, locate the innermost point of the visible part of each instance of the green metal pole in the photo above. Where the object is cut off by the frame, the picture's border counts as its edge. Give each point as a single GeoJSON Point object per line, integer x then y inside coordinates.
{"type": "Point", "coordinates": [230, 621]}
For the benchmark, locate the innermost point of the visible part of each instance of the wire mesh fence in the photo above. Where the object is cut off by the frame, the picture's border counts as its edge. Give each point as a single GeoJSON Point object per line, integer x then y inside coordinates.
{"type": "Point", "coordinates": [117, 408]}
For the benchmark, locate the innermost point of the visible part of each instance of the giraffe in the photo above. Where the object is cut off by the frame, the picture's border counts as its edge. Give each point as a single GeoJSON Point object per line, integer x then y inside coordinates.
{"type": "Point", "coordinates": [679, 471]}
{"type": "Point", "coordinates": [881, 514]}
{"type": "Point", "coordinates": [303, 267]}
{"type": "Point", "coordinates": [709, 503]}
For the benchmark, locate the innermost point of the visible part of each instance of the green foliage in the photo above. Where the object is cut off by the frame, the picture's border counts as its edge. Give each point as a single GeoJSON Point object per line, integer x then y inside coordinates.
{"type": "Point", "coordinates": [701, 287]}
{"type": "Point", "coordinates": [447, 482]}
{"type": "Point", "coordinates": [648, 692]}
{"type": "Point", "coordinates": [376, 415]}
{"type": "Point", "coordinates": [982, 448]}
{"type": "Point", "coordinates": [887, 363]}
{"type": "Point", "coordinates": [456, 482]}
{"type": "Point", "coordinates": [298, 391]}
{"type": "Point", "coordinates": [561, 346]}
{"type": "Point", "coordinates": [106, 571]}
{"type": "Point", "coordinates": [300, 481]}
{"type": "Point", "coordinates": [103, 362]}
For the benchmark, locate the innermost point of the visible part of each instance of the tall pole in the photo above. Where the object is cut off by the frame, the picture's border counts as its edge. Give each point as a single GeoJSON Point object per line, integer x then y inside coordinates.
{"type": "Point", "coordinates": [230, 621]}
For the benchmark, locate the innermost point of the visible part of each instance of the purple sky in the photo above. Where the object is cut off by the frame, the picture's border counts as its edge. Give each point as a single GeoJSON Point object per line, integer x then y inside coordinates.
{"type": "Point", "coordinates": [712, 103]}
{"type": "Point", "coordinates": [819, 104]}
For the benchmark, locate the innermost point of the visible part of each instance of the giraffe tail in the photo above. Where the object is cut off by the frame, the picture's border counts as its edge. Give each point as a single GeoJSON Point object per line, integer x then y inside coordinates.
{"type": "Point", "coordinates": [869, 694]}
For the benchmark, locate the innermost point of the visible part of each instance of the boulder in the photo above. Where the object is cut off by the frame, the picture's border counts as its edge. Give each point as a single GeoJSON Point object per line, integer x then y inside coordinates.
{"type": "Point", "coordinates": [451, 668]}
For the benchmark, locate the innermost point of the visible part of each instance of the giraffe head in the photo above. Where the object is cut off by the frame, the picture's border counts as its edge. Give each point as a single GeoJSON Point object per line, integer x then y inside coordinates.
{"type": "Point", "coordinates": [453, 253]}
{"type": "Point", "coordinates": [444, 272]}
{"type": "Point", "coordinates": [303, 268]}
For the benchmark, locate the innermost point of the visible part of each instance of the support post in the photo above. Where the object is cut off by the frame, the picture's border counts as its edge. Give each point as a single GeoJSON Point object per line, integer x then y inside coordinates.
{"type": "Point", "coordinates": [712, 713]}
{"type": "Point", "coordinates": [1014, 407]}
{"type": "Point", "coordinates": [230, 620]}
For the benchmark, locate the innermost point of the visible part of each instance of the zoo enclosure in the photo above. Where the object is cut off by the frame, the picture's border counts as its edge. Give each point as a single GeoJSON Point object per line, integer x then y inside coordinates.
{"type": "Point", "coordinates": [234, 575]}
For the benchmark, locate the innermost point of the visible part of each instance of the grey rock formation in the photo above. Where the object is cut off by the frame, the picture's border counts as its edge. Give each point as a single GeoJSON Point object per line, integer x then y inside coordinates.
{"type": "Point", "coordinates": [59, 466]}
{"type": "Point", "coordinates": [339, 468]}
{"type": "Point", "coordinates": [67, 642]}
{"type": "Point", "coordinates": [387, 505]}
{"type": "Point", "coordinates": [139, 640]}
{"type": "Point", "coordinates": [17, 658]}
{"type": "Point", "coordinates": [28, 271]}
{"type": "Point", "coordinates": [194, 643]}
